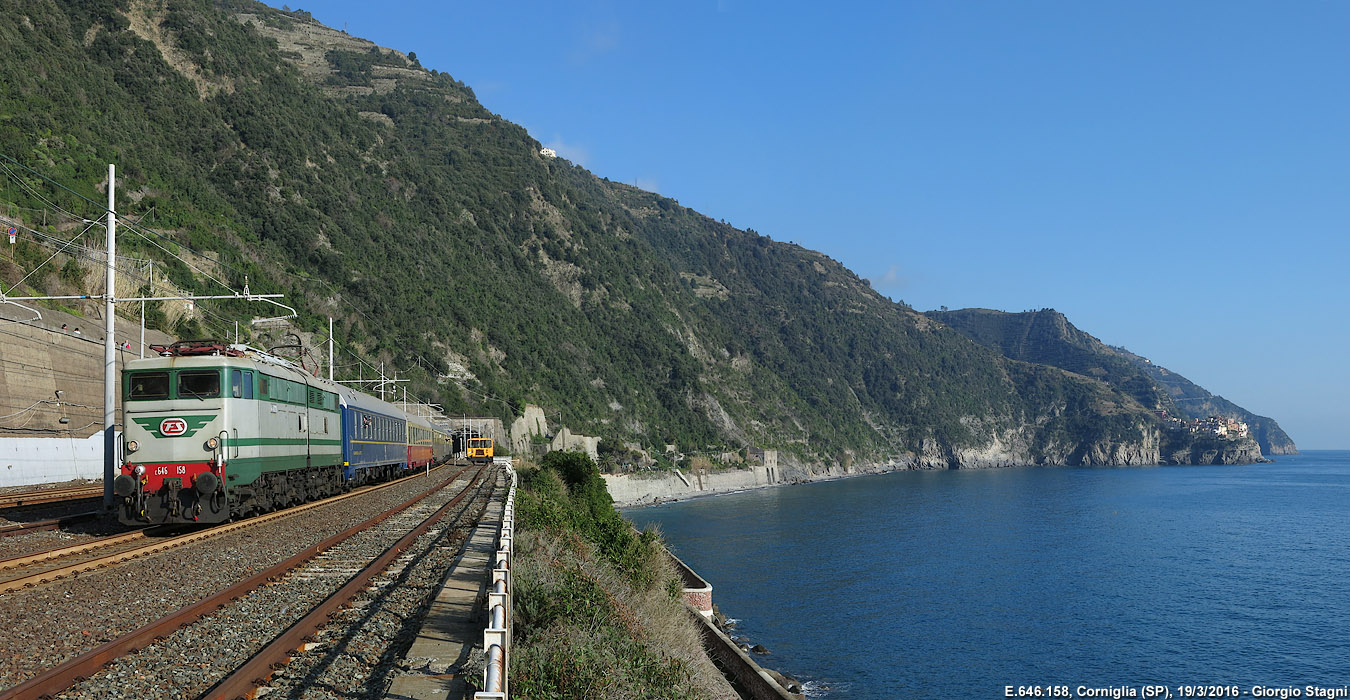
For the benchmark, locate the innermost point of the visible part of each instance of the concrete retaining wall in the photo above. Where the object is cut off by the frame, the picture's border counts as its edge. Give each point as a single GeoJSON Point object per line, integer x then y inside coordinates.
{"type": "Point", "coordinates": [32, 460]}
{"type": "Point", "coordinates": [751, 680]}
{"type": "Point", "coordinates": [650, 487]}
{"type": "Point", "coordinates": [697, 592]}
{"type": "Point", "coordinates": [38, 359]}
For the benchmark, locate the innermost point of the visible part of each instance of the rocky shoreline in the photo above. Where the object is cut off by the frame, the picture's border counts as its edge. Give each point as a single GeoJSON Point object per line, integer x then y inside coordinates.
{"type": "Point", "coordinates": [728, 627]}
{"type": "Point", "coordinates": [653, 488]}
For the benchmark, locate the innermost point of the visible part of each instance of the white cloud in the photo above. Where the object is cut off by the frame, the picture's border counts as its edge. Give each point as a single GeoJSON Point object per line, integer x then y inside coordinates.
{"type": "Point", "coordinates": [596, 40]}
{"type": "Point", "coordinates": [893, 279]}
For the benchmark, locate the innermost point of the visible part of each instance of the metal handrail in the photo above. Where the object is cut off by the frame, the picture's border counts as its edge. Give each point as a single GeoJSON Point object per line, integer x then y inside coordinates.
{"type": "Point", "coordinates": [497, 635]}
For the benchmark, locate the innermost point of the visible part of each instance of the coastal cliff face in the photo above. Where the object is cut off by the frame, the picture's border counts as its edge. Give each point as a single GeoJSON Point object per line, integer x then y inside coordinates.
{"type": "Point", "coordinates": [1024, 446]}
{"type": "Point", "coordinates": [1012, 448]}
{"type": "Point", "coordinates": [1140, 443]}
{"type": "Point", "coordinates": [1213, 450]}
{"type": "Point", "coordinates": [1147, 444]}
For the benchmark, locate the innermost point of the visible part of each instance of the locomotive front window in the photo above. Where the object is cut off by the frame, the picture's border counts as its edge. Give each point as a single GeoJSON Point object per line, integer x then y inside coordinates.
{"type": "Point", "coordinates": [199, 384]}
{"type": "Point", "coordinates": [149, 385]}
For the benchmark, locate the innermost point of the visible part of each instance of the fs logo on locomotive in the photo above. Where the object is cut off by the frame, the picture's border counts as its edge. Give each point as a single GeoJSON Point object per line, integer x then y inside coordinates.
{"type": "Point", "coordinates": [185, 426]}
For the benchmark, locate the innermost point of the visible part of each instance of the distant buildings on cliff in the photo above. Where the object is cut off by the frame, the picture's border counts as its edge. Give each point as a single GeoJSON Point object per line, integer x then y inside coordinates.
{"type": "Point", "coordinates": [1211, 425]}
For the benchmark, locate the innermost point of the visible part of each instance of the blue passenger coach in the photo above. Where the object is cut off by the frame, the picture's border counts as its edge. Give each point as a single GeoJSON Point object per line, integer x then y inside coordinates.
{"type": "Point", "coordinates": [374, 438]}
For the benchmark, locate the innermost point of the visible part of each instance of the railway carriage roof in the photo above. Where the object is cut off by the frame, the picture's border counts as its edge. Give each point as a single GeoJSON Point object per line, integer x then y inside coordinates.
{"type": "Point", "coordinates": [355, 399]}
{"type": "Point", "coordinates": [205, 361]}
{"type": "Point", "coordinates": [244, 357]}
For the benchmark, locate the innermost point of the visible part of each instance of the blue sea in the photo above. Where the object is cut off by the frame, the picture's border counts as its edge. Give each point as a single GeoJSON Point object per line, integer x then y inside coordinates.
{"type": "Point", "coordinates": [958, 584]}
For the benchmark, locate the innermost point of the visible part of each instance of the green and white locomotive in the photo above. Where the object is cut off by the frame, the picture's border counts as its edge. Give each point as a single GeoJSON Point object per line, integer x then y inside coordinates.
{"type": "Point", "coordinates": [211, 431]}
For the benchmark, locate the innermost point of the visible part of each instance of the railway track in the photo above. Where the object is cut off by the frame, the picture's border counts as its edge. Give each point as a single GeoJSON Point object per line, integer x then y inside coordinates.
{"type": "Point", "coordinates": [218, 642]}
{"type": "Point", "coordinates": [28, 570]}
{"type": "Point", "coordinates": [49, 524]}
{"type": "Point", "coordinates": [28, 499]}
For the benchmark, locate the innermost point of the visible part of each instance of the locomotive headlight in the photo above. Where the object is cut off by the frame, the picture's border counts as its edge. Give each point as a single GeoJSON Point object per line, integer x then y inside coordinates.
{"type": "Point", "coordinates": [133, 446]}
{"type": "Point", "coordinates": [213, 443]}
{"type": "Point", "coordinates": [139, 470]}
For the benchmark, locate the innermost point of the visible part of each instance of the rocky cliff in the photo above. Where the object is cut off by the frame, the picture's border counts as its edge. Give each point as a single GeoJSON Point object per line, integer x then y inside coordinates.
{"type": "Point", "coordinates": [1046, 337]}
{"type": "Point", "coordinates": [1190, 449]}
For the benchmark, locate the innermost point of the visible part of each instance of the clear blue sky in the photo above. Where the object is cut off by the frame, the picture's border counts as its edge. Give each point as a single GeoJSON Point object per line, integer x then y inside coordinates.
{"type": "Point", "coordinates": [1175, 177]}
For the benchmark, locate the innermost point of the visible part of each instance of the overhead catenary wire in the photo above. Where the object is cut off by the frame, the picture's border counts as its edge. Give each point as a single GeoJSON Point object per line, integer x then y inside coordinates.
{"type": "Point", "coordinates": [53, 257]}
{"type": "Point", "coordinates": [127, 265]}
{"type": "Point", "coordinates": [135, 229]}
{"type": "Point", "coordinates": [47, 402]}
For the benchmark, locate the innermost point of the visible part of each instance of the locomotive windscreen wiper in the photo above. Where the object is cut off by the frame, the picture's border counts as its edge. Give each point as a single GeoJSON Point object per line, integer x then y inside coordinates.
{"type": "Point", "coordinates": [209, 381]}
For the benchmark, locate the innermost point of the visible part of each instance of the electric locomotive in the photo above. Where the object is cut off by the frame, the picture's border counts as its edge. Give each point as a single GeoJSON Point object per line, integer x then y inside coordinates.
{"type": "Point", "coordinates": [213, 431]}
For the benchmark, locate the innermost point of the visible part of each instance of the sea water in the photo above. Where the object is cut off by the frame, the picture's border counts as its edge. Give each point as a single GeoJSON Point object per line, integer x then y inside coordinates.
{"type": "Point", "coordinates": [1039, 582]}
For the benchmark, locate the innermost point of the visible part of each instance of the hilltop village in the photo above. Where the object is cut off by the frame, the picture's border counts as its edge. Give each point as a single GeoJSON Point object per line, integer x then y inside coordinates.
{"type": "Point", "coordinates": [1219, 426]}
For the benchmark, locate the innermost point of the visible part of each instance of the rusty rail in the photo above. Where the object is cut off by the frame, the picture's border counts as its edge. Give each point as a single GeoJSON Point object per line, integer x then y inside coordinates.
{"type": "Point", "coordinates": [13, 583]}
{"type": "Point", "coordinates": [51, 524]}
{"type": "Point", "coordinates": [35, 498]}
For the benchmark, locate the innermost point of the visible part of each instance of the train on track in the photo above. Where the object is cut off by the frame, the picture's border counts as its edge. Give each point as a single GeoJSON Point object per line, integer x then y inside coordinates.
{"type": "Point", "coordinates": [480, 450]}
{"type": "Point", "coordinates": [214, 431]}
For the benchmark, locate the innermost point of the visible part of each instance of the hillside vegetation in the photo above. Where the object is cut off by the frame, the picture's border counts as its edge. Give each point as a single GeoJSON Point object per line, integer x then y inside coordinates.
{"type": "Point", "coordinates": [369, 189]}
{"type": "Point", "coordinates": [599, 607]}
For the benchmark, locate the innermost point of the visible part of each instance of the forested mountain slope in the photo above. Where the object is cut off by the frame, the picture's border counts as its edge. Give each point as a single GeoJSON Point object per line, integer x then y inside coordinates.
{"type": "Point", "coordinates": [447, 246]}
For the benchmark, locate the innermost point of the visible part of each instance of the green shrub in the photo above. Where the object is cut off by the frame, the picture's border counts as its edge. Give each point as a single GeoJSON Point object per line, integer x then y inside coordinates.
{"type": "Point", "coordinates": [568, 493]}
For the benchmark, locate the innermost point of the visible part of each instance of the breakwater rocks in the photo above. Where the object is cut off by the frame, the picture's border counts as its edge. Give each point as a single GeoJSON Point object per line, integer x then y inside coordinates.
{"type": "Point", "coordinates": [728, 627]}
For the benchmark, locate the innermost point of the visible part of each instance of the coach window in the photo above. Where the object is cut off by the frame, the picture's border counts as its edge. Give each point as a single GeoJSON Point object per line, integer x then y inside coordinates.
{"type": "Point", "coordinates": [248, 384]}
{"type": "Point", "coordinates": [199, 384]}
{"type": "Point", "coordinates": [236, 384]}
